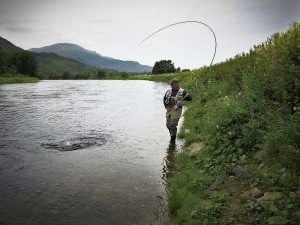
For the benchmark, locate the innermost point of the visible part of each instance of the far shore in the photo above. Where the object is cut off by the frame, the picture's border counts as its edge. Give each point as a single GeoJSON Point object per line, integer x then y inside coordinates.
{"type": "Point", "coordinates": [18, 79]}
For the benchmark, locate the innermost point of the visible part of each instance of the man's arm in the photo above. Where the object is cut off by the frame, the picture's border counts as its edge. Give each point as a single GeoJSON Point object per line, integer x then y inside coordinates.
{"type": "Point", "coordinates": [188, 97]}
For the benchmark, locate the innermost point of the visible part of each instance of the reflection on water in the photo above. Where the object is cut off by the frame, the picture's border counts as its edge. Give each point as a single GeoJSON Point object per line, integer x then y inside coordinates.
{"type": "Point", "coordinates": [169, 169]}
{"type": "Point", "coordinates": [83, 152]}
{"type": "Point", "coordinates": [170, 166]}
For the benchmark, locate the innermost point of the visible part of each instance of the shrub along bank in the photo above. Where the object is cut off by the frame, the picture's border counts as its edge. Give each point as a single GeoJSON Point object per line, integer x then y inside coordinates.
{"type": "Point", "coordinates": [12, 79]}
{"type": "Point", "coordinates": [241, 162]}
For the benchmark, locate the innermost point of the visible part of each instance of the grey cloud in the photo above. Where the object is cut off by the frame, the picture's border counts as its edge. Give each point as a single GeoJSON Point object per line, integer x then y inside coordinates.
{"type": "Point", "coordinates": [20, 29]}
{"type": "Point", "coordinates": [16, 27]}
{"type": "Point", "coordinates": [269, 15]}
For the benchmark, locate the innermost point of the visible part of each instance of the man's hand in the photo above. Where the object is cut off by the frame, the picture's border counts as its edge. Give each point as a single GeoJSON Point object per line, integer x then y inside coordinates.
{"type": "Point", "coordinates": [169, 109]}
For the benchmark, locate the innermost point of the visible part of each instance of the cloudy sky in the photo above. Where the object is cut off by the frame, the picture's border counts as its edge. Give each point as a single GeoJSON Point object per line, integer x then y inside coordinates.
{"type": "Point", "coordinates": [114, 28]}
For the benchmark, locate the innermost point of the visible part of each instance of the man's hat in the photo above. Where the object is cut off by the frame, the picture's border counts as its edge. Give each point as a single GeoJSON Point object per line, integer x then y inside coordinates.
{"type": "Point", "coordinates": [174, 81]}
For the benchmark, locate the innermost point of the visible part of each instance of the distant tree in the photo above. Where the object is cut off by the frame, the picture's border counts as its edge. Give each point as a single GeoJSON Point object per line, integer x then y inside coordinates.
{"type": "Point", "coordinates": [83, 76]}
{"type": "Point", "coordinates": [54, 76]}
{"type": "Point", "coordinates": [124, 75]}
{"type": "Point", "coordinates": [185, 70]}
{"type": "Point", "coordinates": [66, 75]}
{"type": "Point", "coordinates": [25, 63]}
{"type": "Point", "coordinates": [101, 74]}
{"type": "Point", "coordinates": [163, 66]}
{"type": "Point", "coordinates": [178, 70]}
{"type": "Point", "coordinates": [42, 76]}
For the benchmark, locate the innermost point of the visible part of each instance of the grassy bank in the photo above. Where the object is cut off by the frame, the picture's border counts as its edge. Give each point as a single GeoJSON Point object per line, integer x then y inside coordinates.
{"type": "Point", "coordinates": [241, 162]}
{"type": "Point", "coordinates": [17, 79]}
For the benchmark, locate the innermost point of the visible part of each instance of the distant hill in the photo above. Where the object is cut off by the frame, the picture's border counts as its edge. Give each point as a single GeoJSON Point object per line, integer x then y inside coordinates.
{"type": "Point", "coordinates": [53, 63]}
{"type": "Point", "coordinates": [50, 62]}
{"type": "Point", "coordinates": [8, 46]}
{"type": "Point", "coordinates": [93, 58]}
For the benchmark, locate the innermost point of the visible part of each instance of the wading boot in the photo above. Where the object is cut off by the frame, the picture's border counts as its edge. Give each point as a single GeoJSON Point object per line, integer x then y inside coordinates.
{"type": "Point", "coordinates": [173, 138]}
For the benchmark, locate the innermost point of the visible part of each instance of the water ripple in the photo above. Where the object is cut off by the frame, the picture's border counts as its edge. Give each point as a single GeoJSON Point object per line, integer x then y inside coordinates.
{"type": "Point", "coordinates": [75, 144]}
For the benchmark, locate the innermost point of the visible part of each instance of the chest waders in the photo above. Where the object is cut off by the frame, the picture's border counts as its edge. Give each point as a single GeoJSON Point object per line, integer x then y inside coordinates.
{"type": "Point", "coordinates": [172, 117]}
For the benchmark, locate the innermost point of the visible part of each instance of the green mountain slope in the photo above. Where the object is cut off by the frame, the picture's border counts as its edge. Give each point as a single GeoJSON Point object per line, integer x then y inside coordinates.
{"type": "Point", "coordinates": [8, 46]}
{"type": "Point", "coordinates": [93, 58]}
{"type": "Point", "coordinates": [53, 63]}
{"type": "Point", "coordinates": [48, 63]}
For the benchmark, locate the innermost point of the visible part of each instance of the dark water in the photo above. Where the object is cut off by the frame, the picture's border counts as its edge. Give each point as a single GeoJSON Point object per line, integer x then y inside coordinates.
{"type": "Point", "coordinates": [83, 152]}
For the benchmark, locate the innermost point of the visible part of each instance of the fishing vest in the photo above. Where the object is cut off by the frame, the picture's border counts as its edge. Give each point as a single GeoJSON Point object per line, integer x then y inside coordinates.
{"type": "Point", "coordinates": [171, 100]}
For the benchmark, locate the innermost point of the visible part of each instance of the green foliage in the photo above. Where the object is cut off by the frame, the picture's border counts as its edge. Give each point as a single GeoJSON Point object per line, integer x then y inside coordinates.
{"type": "Point", "coordinates": [101, 74]}
{"type": "Point", "coordinates": [282, 142]}
{"type": "Point", "coordinates": [25, 63]}
{"type": "Point", "coordinates": [18, 62]}
{"type": "Point", "coordinates": [184, 190]}
{"type": "Point", "coordinates": [12, 79]}
{"type": "Point", "coordinates": [140, 77]}
{"type": "Point", "coordinates": [163, 66]}
{"type": "Point", "coordinates": [14, 60]}
{"type": "Point", "coordinates": [244, 111]}
{"type": "Point", "coordinates": [16, 65]}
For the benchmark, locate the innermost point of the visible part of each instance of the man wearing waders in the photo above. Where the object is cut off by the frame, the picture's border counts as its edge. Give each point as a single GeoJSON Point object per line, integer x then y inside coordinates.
{"type": "Point", "coordinates": [174, 100]}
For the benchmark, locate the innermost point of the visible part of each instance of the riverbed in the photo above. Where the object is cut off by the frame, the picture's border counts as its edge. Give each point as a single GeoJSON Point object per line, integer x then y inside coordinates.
{"type": "Point", "coordinates": [83, 152]}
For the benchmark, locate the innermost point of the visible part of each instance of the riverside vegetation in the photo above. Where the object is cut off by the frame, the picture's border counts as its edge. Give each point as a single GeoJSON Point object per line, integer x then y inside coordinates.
{"type": "Point", "coordinates": [16, 64]}
{"type": "Point", "coordinates": [241, 160]}
{"type": "Point", "coordinates": [12, 79]}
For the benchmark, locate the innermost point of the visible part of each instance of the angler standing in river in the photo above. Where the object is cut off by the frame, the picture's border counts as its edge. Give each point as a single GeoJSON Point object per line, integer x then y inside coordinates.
{"type": "Point", "coordinates": [174, 100]}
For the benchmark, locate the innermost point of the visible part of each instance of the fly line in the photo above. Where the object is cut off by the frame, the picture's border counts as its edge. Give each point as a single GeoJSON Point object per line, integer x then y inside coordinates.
{"type": "Point", "coordinates": [174, 24]}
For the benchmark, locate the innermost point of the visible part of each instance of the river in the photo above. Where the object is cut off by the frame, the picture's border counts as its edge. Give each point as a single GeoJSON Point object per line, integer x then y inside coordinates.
{"type": "Point", "coordinates": [83, 152]}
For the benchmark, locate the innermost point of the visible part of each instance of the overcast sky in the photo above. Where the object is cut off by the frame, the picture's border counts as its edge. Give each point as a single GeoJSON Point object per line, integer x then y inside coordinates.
{"type": "Point", "coordinates": [114, 28]}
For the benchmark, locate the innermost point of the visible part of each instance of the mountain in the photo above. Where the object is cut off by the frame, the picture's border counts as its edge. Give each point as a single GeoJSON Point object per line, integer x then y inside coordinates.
{"type": "Point", "coordinates": [6, 45]}
{"type": "Point", "coordinates": [93, 58]}
{"type": "Point", "coordinates": [53, 63]}
{"type": "Point", "coordinates": [49, 63]}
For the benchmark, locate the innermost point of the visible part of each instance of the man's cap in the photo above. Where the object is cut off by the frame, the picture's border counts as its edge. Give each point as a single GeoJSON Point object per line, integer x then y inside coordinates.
{"type": "Point", "coordinates": [174, 81]}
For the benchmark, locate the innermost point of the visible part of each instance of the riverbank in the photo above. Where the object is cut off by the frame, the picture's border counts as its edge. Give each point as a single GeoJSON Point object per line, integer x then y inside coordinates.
{"type": "Point", "coordinates": [242, 130]}
{"type": "Point", "coordinates": [17, 79]}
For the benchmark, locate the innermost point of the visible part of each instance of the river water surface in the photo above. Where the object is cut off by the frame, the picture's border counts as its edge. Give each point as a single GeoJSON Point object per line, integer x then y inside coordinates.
{"type": "Point", "coordinates": [83, 152]}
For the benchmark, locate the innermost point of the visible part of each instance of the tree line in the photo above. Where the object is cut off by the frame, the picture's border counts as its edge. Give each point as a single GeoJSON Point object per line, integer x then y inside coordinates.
{"type": "Point", "coordinates": [18, 62]}
{"type": "Point", "coordinates": [100, 74]}
{"type": "Point", "coordinates": [13, 63]}
{"type": "Point", "coordinates": [160, 67]}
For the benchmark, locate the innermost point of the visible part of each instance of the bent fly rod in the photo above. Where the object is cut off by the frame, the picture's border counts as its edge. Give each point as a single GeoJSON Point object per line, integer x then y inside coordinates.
{"type": "Point", "coordinates": [182, 23]}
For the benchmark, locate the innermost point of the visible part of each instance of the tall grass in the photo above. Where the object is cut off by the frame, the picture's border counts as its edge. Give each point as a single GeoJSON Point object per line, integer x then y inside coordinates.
{"type": "Point", "coordinates": [18, 79]}
{"type": "Point", "coordinates": [244, 111]}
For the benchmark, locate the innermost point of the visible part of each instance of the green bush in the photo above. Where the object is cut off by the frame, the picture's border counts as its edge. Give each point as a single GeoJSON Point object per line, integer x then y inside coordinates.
{"type": "Point", "coordinates": [283, 140]}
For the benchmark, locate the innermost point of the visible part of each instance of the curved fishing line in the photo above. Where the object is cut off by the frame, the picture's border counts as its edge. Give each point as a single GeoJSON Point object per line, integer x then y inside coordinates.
{"type": "Point", "coordinates": [181, 23]}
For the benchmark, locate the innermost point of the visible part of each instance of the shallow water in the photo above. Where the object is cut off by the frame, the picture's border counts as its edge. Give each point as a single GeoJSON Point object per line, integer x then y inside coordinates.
{"type": "Point", "coordinates": [83, 152]}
